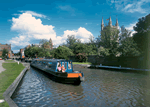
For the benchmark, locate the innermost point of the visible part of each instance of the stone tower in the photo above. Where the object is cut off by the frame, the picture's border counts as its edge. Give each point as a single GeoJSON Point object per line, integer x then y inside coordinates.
{"type": "Point", "coordinates": [102, 24]}
{"type": "Point", "coordinates": [51, 43]}
{"type": "Point", "coordinates": [117, 25]}
{"type": "Point", "coordinates": [109, 24]}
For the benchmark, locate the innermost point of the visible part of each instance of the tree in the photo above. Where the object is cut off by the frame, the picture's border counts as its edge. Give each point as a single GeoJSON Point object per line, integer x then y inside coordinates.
{"type": "Point", "coordinates": [103, 51]}
{"type": "Point", "coordinates": [142, 38]}
{"type": "Point", "coordinates": [63, 52]}
{"type": "Point", "coordinates": [81, 57]}
{"type": "Point", "coordinates": [91, 39]}
{"type": "Point", "coordinates": [109, 39]}
{"type": "Point", "coordinates": [70, 41]}
{"type": "Point", "coordinates": [142, 35]}
{"type": "Point", "coordinates": [42, 41]}
{"type": "Point", "coordinates": [4, 53]}
{"type": "Point", "coordinates": [127, 45]}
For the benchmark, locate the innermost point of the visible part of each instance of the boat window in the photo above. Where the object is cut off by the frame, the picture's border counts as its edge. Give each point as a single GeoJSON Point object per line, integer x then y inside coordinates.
{"type": "Point", "coordinates": [66, 65]}
{"type": "Point", "coordinates": [49, 64]}
{"type": "Point", "coordinates": [62, 63]}
{"type": "Point", "coordinates": [69, 65]}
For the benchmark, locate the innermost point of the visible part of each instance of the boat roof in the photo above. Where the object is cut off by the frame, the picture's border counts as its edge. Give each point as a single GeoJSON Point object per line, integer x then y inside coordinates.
{"type": "Point", "coordinates": [52, 60]}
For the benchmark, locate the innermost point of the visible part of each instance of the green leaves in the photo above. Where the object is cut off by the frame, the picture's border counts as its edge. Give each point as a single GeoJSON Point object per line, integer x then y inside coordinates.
{"type": "Point", "coordinates": [5, 51]}
{"type": "Point", "coordinates": [128, 47]}
{"type": "Point", "coordinates": [109, 41]}
{"type": "Point", "coordinates": [63, 52]}
{"type": "Point", "coordinates": [142, 35]}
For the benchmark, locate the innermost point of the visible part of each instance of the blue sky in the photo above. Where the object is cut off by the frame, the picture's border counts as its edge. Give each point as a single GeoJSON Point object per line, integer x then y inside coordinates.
{"type": "Point", "coordinates": [26, 22]}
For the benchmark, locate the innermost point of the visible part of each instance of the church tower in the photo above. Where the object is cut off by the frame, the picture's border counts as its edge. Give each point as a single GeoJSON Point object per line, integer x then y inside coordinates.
{"type": "Point", "coordinates": [102, 24]}
{"type": "Point", "coordinates": [117, 25]}
{"type": "Point", "coordinates": [51, 43]}
{"type": "Point", "coordinates": [110, 22]}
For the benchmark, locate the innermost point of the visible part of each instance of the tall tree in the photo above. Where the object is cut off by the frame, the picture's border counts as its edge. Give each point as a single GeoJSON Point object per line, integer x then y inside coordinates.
{"type": "Point", "coordinates": [63, 52]}
{"type": "Point", "coordinates": [127, 45]}
{"type": "Point", "coordinates": [4, 53]}
{"type": "Point", "coordinates": [109, 39]}
{"type": "Point", "coordinates": [70, 41]}
{"type": "Point", "coordinates": [142, 35]}
{"type": "Point", "coordinates": [142, 38]}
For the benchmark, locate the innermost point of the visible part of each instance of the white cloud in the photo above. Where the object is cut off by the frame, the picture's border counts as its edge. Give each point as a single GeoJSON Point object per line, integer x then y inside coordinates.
{"type": "Point", "coordinates": [81, 33]}
{"type": "Point", "coordinates": [34, 14]}
{"type": "Point", "coordinates": [130, 27]}
{"type": "Point", "coordinates": [30, 29]}
{"type": "Point", "coordinates": [130, 6]}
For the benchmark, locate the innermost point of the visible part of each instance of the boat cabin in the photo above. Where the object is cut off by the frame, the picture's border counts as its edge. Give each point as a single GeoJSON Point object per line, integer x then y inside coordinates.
{"type": "Point", "coordinates": [53, 64]}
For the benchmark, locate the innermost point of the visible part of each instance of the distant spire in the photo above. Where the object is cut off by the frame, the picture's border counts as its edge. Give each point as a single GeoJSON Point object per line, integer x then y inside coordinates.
{"type": "Point", "coordinates": [117, 24]}
{"type": "Point", "coordinates": [102, 24]}
{"type": "Point", "coordinates": [110, 22]}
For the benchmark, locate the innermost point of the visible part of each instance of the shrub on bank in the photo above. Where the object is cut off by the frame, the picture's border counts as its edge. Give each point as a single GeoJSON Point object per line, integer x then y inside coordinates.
{"type": "Point", "coordinates": [81, 57]}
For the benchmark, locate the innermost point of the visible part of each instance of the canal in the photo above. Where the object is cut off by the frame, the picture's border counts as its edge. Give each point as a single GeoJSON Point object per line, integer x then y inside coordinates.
{"type": "Point", "coordinates": [101, 88]}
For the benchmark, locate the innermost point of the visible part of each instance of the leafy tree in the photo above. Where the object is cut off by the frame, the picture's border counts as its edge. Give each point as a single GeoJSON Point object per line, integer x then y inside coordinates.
{"type": "Point", "coordinates": [42, 41]}
{"type": "Point", "coordinates": [4, 52]}
{"type": "Point", "coordinates": [142, 35]}
{"type": "Point", "coordinates": [91, 39]}
{"type": "Point", "coordinates": [109, 39]}
{"type": "Point", "coordinates": [70, 41]}
{"type": "Point", "coordinates": [128, 47]}
{"type": "Point", "coordinates": [81, 57]}
{"type": "Point", "coordinates": [79, 48]}
{"type": "Point", "coordinates": [63, 52]}
{"type": "Point", "coordinates": [103, 51]}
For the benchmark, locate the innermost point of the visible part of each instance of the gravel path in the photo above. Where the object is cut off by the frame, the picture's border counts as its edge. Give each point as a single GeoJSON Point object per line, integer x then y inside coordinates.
{"type": "Point", "coordinates": [1, 68]}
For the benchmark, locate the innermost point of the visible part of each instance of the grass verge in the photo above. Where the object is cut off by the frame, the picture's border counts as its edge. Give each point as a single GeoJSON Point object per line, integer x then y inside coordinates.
{"type": "Point", "coordinates": [81, 63]}
{"type": "Point", "coordinates": [7, 77]}
{"type": "Point", "coordinates": [9, 61]}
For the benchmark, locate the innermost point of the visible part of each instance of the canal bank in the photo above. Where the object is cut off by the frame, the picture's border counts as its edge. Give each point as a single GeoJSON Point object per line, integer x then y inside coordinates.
{"type": "Point", "coordinates": [8, 76]}
{"type": "Point", "coordinates": [111, 67]}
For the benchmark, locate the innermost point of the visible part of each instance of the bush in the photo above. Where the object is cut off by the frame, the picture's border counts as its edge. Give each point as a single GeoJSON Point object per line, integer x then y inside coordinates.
{"type": "Point", "coordinates": [63, 52]}
{"type": "Point", "coordinates": [81, 57]}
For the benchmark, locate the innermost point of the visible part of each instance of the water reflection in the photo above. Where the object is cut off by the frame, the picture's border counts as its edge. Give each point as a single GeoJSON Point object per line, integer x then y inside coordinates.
{"type": "Point", "coordinates": [100, 88]}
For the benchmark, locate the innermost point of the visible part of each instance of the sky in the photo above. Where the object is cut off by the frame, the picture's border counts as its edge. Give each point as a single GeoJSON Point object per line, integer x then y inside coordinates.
{"type": "Point", "coordinates": [28, 21]}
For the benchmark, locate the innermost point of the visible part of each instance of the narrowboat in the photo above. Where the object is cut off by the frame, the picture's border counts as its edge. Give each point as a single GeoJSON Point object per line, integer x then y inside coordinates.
{"type": "Point", "coordinates": [65, 75]}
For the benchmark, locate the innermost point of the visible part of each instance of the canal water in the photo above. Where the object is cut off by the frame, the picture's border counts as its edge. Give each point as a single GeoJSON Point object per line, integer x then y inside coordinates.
{"type": "Point", "coordinates": [101, 88]}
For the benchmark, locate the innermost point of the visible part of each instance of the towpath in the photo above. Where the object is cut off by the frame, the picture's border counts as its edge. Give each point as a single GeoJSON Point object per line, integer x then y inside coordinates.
{"type": "Point", "coordinates": [1, 68]}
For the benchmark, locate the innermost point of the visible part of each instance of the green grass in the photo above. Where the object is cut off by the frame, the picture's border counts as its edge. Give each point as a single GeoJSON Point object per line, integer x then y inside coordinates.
{"type": "Point", "coordinates": [81, 63]}
{"type": "Point", "coordinates": [9, 61]}
{"type": "Point", "coordinates": [7, 77]}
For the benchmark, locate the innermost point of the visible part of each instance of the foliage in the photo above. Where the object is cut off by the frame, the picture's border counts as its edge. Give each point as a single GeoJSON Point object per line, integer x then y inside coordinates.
{"type": "Point", "coordinates": [141, 37]}
{"type": "Point", "coordinates": [109, 39]}
{"type": "Point", "coordinates": [17, 54]}
{"type": "Point", "coordinates": [81, 57]}
{"type": "Point", "coordinates": [103, 51]}
{"type": "Point", "coordinates": [42, 41]}
{"type": "Point", "coordinates": [5, 51]}
{"type": "Point", "coordinates": [37, 52]}
{"type": "Point", "coordinates": [70, 41]}
{"type": "Point", "coordinates": [91, 39]}
{"type": "Point", "coordinates": [128, 47]}
{"type": "Point", "coordinates": [63, 52]}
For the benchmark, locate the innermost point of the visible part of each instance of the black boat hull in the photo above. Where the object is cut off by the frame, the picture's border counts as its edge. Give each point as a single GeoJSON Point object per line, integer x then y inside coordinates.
{"type": "Point", "coordinates": [60, 77]}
